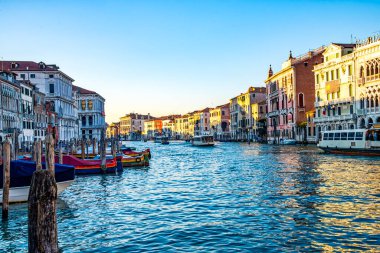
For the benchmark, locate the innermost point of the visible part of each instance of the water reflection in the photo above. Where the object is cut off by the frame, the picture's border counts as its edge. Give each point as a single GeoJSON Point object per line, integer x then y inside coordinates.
{"type": "Point", "coordinates": [234, 197]}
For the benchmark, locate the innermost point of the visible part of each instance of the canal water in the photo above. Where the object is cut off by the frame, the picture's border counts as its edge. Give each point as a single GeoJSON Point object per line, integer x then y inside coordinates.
{"type": "Point", "coordinates": [233, 197]}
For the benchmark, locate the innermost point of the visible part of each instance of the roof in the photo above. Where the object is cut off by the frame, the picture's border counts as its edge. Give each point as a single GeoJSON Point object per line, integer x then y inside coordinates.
{"type": "Point", "coordinates": [84, 91]}
{"type": "Point", "coordinates": [30, 66]}
{"type": "Point", "coordinates": [345, 44]}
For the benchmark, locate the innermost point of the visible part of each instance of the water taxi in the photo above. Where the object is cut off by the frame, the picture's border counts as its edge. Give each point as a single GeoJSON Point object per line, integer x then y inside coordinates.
{"type": "Point", "coordinates": [203, 140]}
{"type": "Point", "coordinates": [351, 142]}
{"type": "Point", "coordinates": [161, 139]}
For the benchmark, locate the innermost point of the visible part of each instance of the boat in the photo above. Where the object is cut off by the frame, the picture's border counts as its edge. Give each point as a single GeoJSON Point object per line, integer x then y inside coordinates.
{"type": "Point", "coordinates": [203, 140]}
{"type": "Point", "coordinates": [161, 139]}
{"type": "Point", "coordinates": [145, 152]}
{"type": "Point", "coordinates": [21, 173]}
{"type": "Point", "coordinates": [351, 141]}
{"type": "Point", "coordinates": [287, 142]}
{"type": "Point", "coordinates": [89, 166]}
{"type": "Point", "coordinates": [133, 161]}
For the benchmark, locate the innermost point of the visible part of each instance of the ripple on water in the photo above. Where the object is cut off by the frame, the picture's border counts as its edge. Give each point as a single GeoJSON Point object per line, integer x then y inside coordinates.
{"type": "Point", "coordinates": [233, 197]}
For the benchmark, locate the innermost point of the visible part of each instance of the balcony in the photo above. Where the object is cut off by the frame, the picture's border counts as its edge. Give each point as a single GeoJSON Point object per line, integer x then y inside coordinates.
{"type": "Point", "coordinates": [333, 118]}
{"type": "Point", "coordinates": [273, 94]}
{"type": "Point", "coordinates": [372, 110]}
{"type": "Point", "coordinates": [284, 111]}
{"type": "Point", "coordinates": [273, 113]}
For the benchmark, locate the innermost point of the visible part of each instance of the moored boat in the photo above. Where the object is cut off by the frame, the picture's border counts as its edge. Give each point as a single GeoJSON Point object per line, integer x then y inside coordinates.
{"type": "Point", "coordinates": [133, 161]}
{"type": "Point", "coordinates": [203, 140]}
{"type": "Point", "coordinates": [351, 141]}
{"type": "Point", "coordinates": [161, 139]}
{"type": "Point", "coordinates": [21, 173]}
{"type": "Point", "coordinates": [89, 166]}
{"type": "Point", "coordinates": [288, 141]}
{"type": "Point", "coordinates": [145, 152]}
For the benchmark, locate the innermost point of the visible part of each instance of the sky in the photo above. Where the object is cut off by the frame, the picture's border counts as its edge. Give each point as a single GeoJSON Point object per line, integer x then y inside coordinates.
{"type": "Point", "coordinates": [175, 56]}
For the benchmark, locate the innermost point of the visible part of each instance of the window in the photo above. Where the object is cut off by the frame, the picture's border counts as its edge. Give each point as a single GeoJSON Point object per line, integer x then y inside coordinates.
{"type": "Point", "coordinates": [343, 136]}
{"type": "Point", "coordinates": [90, 120]}
{"type": "Point", "coordinates": [22, 76]}
{"type": "Point", "coordinates": [51, 76]}
{"type": "Point", "coordinates": [327, 76]}
{"type": "Point", "coordinates": [32, 75]}
{"type": "Point", "coordinates": [336, 136]}
{"type": "Point", "coordinates": [349, 70]}
{"type": "Point", "coordinates": [51, 87]}
{"type": "Point", "coordinates": [317, 78]}
{"type": "Point", "coordinates": [351, 136]}
{"type": "Point", "coordinates": [83, 120]}
{"type": "Point", "coordinates": [300, 100]}
{"type": "Point", "coordinates": [331, 136]}
{"type": "Point", "coordinates": [339, 110]}
{"type": "Point", "coordinates": [359, 136]}
{"type": "Point", "coordinates": [337, 73]}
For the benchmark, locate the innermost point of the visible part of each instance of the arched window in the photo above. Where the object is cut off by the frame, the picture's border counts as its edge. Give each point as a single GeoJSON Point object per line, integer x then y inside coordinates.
{"type": "Point", "coordinates": [361, 73]}
{"type": "Point", "coordinates": [83, 120]}
{"type": "Point", "coordinates": [368, 73]}
{"type": "Point", "coordinates": [318, 96]}
{"type": "Point", "coordinates": [300, 100]}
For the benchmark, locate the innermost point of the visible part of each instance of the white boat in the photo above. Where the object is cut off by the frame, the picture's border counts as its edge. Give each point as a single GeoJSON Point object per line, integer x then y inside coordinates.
{"type": "Point", "coordinates": [161, 139]}
{"type": "Point", "coordinates": [203, 140]}
{"type": "Point", "coordinates": [288, 141]}
{"type": "Point", "coordinates": [21, 173]}
{"type": "Point", "coordinates": [21, 194]}
{"type": "Point", "coordinates": [352, 141]}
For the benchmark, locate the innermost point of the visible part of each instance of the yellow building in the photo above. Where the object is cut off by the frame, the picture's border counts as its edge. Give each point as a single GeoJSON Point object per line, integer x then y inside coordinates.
{"type": "Point", "coordinates": [367, 72]}
{"type": "Point", "coordinates": [220, 122]}
{"type": "Point", "coordinates": [335, 89]}
{"type": "Point", "coordinates": [241, 112]}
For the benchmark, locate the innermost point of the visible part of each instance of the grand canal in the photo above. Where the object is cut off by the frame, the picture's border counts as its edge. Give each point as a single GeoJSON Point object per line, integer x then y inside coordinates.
{"type": "Point", "coordinates": [230, 198]}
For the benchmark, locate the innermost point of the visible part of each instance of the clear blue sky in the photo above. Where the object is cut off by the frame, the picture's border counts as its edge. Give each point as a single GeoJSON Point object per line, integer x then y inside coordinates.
{"type": "Point", "coordinates": [174, 56]}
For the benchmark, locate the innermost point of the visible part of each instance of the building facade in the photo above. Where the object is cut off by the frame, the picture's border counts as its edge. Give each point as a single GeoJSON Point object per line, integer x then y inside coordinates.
{"type": "Point", "coordinates": [220, 122]}
{"type": "Point", "coordinates": [11, 115]}
{"type": "Point", "coordinates": [91, 113]}
{"type": "Point", "coordinates": [335, 91]}
{"type": "Point", "coordinates": [290, 94]}
{"type": "Point", "coordinates": [28, 120]}
{"type": "Point", "coordinates": [57, 87]}
{"type": "Point", "coordinates": [242, 122]}
{"type": "Point", "coordinates": [367, 72]}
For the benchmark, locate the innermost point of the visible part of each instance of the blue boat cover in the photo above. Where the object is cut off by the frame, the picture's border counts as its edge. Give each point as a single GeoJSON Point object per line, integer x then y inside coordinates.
{"type": "Point", "coordinates": [22, 171]}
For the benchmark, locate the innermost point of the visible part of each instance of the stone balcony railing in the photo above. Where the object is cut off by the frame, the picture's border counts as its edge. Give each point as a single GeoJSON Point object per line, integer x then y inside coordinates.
{"type": "Point", "coordinates": [273, 113]}
{"type": "Point", "coordinates": [284, 111]}
{"type": "Point", "coordinates": [334, 101]}
{"type": "Point", "coordinates": [333, 118]}
{"type": "Point", "coordinates": [365, 111]}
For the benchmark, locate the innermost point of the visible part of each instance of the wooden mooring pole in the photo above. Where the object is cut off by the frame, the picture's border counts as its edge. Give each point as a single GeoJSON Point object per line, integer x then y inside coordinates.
{"type": "Point", "coordinates": [42, 219]}
{"type": "Point", "coordinates": [103, 146]}
{"type": "Point", "coordinates": [82, 149]}
{"type": "Point", "coordinates": [6, 177]}
{"type": "Point", "coordinates": [38, 155]}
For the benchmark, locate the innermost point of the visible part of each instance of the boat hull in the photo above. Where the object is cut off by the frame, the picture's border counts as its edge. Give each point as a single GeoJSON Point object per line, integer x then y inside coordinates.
{"type": "Point", "coordinates": [203, 144]}
{"type": "Point", "coordinates": [351, 151]}
{"type": "Point", "coordinates": [20, 194]}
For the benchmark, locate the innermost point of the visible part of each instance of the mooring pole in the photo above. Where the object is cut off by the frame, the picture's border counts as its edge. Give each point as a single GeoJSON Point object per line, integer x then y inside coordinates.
{"type": "Point", "coordinates": [6, 177]}
{"type": "Point", "coordinates": [38, 155]}
{"type": "Point", "coordinates": [42, 219]}
{"type": "Point", "coordinates": [82, 149]}
{"type": "Point", "coordinates": [50, 156]}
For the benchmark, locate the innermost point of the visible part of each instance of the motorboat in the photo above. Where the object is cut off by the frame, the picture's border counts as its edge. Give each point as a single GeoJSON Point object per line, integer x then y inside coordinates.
{"type": "Point", "coordinates": [203, 140]}
{"type": "Point", "coordinates": [21, 173]}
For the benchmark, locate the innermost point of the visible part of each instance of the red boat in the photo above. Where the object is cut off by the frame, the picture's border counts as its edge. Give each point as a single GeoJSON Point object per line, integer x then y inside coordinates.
{"type": "Point", "coordinates": [130, 152]}
{"type": "Point", "coordinates": [88, 166]}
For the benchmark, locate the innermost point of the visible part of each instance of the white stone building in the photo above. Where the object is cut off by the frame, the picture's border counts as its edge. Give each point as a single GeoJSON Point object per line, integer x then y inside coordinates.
{"type": "Point", "coordinates": [10, 102]}
{"type": "Point", "coordinates": [91, 113]}
{"type": "Point", "coordinates": [28, 121]}
{"type": "Point", "coordinates": [56, 85]}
